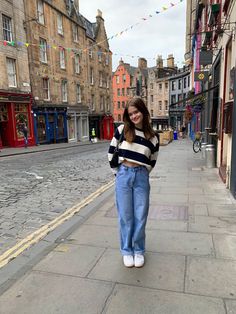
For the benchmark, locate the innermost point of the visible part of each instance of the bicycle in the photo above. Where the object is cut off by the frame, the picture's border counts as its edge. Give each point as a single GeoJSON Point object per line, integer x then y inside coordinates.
{"type": "Point", "coordinates": [197, 143]}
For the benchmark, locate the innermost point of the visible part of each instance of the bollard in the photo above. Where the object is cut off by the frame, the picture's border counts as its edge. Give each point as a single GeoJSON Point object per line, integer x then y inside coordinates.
{"type": "Point", "coordinates": [210, 156]}
{"type": "Point", "coordinates": [203, 150]}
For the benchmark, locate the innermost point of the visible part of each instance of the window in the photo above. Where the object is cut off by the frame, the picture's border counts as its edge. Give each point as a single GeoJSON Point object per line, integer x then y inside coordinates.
{"type": "Point", "coordinates": [64, 91]}
{"type": "Point", "coordinates": [7, 28]}
{"type": "Point", "coordinates": [108, 104]}
{"type": "Point", "coordinates": [160, 105]}
{"type": "Point", "coordinates": [166, 105]}
{"type": "Point", "coordinates": [75, 32]}
{"type": "Point", "coordinates": [62, 58]}
{"type": "Point", "coordinates": [119, 117]}
{"type": "Point", "coordinates": [90, 53]}
{"type": "Point", "coordinates": [151, 85]}
{"type": "Point", "coordinates": [91, 76]}
{"type": "Point", "coordinates": [46, 91]}
{"type": "Point", "coordinates": [99, 56]}
{"type": "Point", "coordinates": [123, 92]}
{"type": "Point", "coordinates": [173, 85]}
{"type": "Point", "coordinates": [107, 59]}
{"type": "Point", "coordinates": [173, 99]}
{"type": "Point", "coordinates": [77, 65]}
{"type": "Point", "coordinates": [92, 102]}
{"type": "Point", "coordinates": [185, 82]}
{"type": "Point", "coordinates": [43, 50]}
{"type": "Point", "coordinates": [118, 104]}
{"type": "Point", "coordinates": [123, 104]}
{"type": "Point", "coordinates": [118, 92]}
{"type": "Point", "coordinates": [101, 103]}
{"type": "Point", "coordinates": [40, 12]}
{"type": "Point", "coordinates": [78, 92]}
{"type": "Point", "coordinates": [160, 86]}
{"type": "Point", "coordinates": [179, 98]}
{"type": "Point", "coordinates": [151, 98]}
{"type": "Point", "coordinates": [124, 77]}
{"type": "Point", "coordinates": [166, 85]}
{"type": "Point", "coordinates": [11, 72]}
{"type": "Point", "coordinates": [84, 127]}
{"type": "Point", "coordinates": [117, 79]}
{"type": "Point", "coordinates": [179, 84]}
{"type": "Point", "coordinates": [107, 84]}
{"type": "Point", "coordinates": [100, 79]}
{"type": "Point", "coordinates": [59, 24]}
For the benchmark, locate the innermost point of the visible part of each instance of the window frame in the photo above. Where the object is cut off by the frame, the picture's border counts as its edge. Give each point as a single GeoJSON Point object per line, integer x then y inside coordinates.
{"type": "Point", "coordinates": [43, 50]}
{"type": "Point", "coordinates": [60, 29]}
{"type": "Point", "coordinates": [13, 74]}
{"type": "Point", "coordinates": [7, 31]}
{"type": "Point", "coordinates": [40, 12]}
{"type": "Point", "coordinates": [64, 91]}
{"type": "Point", "coordinates": [62, 56]}
{"type": "Point", "coordinates": [46, 88]}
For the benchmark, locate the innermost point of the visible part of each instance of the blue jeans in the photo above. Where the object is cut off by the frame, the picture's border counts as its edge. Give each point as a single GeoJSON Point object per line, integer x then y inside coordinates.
{"type": "Point", "coordinates": [132, 201]}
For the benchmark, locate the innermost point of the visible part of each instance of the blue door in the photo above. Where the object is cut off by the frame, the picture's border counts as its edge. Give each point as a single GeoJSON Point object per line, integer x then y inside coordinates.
{"type": "Point", "coordinates": [51, 132]}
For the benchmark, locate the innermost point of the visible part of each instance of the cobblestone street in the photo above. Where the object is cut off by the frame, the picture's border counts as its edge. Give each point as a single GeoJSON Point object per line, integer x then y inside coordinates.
{"type": "Point", "coordinates": [36, 188]}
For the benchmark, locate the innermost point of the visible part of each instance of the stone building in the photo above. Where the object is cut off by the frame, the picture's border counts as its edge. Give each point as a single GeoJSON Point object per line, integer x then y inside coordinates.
{"type": "Point", "coordinates": [158, 91]}
{"type": "Point", "coordinates": [15, 97]}
{"type": "Point", "coordinates": [64, 79]}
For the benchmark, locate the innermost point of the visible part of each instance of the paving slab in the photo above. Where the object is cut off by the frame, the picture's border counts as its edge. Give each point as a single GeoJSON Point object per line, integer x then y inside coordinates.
{"type": "Point", "coordinates": [210, 199]}
{"type": "Point", "coordinates": [211, 277]}
{"type": "Point", "coordinates": [128, 299]}
{"type": "Point", "coordinates": [222, 210]}
{"type": "Point", "coordinates": [198, 209]}
{"type": "Point", "coordinates": [213, 224]}
{"type": "Point", "coordinates": [69, 259]}
{"type": "Point", "coordinates": [184, 243]}
{"type": "Point", "coordinates": [161, 271]}
{"type": "Point", "coordinates": [230, 306]}
{"type": "Point", "coordinates": [225, 246]}
{"type": "Point", "coordinates": [101, 236]}
{"type": "Point", "coordinates": [50, 293]}
{"type": "Point", "coordinates": [169, 199]}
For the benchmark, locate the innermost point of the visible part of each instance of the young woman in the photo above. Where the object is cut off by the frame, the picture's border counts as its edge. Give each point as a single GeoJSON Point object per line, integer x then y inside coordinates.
{"type": "Point", "coordinates": [137, 157]}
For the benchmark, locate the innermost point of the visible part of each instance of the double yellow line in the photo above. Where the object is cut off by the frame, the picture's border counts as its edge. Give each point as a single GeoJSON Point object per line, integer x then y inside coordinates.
{"type": "Point", "coordinates": [34, 237]}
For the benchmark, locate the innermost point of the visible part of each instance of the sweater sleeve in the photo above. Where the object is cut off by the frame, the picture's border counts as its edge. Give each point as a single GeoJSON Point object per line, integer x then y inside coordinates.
{"type": "Point", "coordinates": [113, 145]}
{"type": "Point", "coordinates": [154, 153]}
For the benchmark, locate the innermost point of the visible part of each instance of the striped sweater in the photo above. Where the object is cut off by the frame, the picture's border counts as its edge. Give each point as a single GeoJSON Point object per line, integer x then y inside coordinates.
{"type": "Point", "coordinates": [141, 151]}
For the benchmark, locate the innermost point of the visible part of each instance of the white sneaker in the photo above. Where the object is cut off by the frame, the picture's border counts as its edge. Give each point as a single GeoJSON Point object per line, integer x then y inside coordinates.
{"type": "Point", "coordinates": [128, 260]}
{"type": "Point", "coordinates": [138, 260]}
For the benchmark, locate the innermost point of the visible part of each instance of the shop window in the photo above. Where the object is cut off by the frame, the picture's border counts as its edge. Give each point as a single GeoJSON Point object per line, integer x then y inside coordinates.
{"type": "Point", "coordinates": [3, 113]}
{"type": "Point", "coordinates": [84, 127]}
{"type": "Point", "coordinates": [228, 113]}
{"type": "Point", "coordinates": [60, 125]}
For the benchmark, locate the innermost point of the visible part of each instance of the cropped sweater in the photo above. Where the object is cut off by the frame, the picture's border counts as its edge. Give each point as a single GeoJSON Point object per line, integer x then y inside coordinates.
{"type": "Point", "coordinates": [141, 151]}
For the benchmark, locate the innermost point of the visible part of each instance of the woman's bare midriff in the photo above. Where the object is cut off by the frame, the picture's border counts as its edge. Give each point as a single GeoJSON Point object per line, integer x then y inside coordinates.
{"type": "Point", "coordinates": [129, 163]}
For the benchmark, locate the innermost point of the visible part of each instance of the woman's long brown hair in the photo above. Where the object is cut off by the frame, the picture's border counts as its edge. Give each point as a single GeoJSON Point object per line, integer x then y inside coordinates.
{"type": "Point", "coordinates": [129, 127]}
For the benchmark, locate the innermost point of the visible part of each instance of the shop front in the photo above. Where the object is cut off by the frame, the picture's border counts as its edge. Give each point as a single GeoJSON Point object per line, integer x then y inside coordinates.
{"type": "Point", "coordinates": [15, 113]}
{"type": "Point", "coordinates": [78, 124]}
{"type": "Point", "coordinates": [50, 125]}
{"type": "Point", "coordinates": [108, 127]}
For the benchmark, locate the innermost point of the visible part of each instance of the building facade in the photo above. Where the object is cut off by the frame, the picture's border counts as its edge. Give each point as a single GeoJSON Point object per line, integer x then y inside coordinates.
{"type": "Point", "coordinates": [15, 96]}
{"type": "Point", "coordinates": [158, 91]}
{"type": "Point", "coordinates": [178, 93]}
{"type": "Point", "coordinates": [65, 63]}
{"type": "Point", "coordinates": [213, 55]}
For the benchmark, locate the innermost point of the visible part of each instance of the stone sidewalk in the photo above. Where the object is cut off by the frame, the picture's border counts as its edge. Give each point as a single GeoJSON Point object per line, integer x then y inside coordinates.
{"type": "Point", "coordinates": [190, 260]}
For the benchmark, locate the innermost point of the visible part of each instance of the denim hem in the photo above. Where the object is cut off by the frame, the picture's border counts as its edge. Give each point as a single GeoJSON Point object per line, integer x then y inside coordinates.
{"type": "Point", "coordinates": [123, 253]}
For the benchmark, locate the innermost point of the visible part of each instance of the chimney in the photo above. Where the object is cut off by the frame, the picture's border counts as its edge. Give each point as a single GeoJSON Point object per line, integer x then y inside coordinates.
{"type": "Point", "coordinates": [76, 4]}
{"type": "Point", "coordinates": [159, 62]}
{"type": "Point", "coordinates": [121, 62]}
{"type": "Point", "coordinates": [170, 61]}
{"type": "Point", "coordinates": [142, 63]}
{"type": "Point", "coordinates": [99, 15]}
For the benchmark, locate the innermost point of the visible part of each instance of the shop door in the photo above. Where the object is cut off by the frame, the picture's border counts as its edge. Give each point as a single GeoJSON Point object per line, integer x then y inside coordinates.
{"type": "Point", "coordinates": [51, 124]}
{"type": "Point", "coordinates": [4, 133]}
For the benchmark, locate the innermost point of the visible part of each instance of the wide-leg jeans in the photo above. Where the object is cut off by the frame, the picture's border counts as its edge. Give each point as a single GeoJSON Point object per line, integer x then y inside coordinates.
{"type": "Point", "coordinates": [132, 201]}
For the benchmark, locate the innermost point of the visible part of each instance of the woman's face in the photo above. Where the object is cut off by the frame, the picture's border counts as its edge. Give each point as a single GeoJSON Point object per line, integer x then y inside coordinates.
{"type": "Point", "coordinates": [135, 116]}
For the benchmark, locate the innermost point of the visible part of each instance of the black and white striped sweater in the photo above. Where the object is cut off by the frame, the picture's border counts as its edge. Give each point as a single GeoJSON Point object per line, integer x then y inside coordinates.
{"type": "Point", "coordinates": [141, 151]}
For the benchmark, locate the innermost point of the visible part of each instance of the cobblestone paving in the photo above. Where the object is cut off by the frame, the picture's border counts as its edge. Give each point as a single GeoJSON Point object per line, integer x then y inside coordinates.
{"type": "Point", "coordinates": [36, 188]}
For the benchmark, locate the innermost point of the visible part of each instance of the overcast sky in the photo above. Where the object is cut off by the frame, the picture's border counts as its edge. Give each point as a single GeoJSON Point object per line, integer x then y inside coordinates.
{"type": "Point", "coordinates": [162, 33]}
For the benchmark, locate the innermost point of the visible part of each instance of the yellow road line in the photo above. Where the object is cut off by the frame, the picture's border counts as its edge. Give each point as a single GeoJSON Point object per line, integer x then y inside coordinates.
{"type": "Point", "coordinates": [34, 237]}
